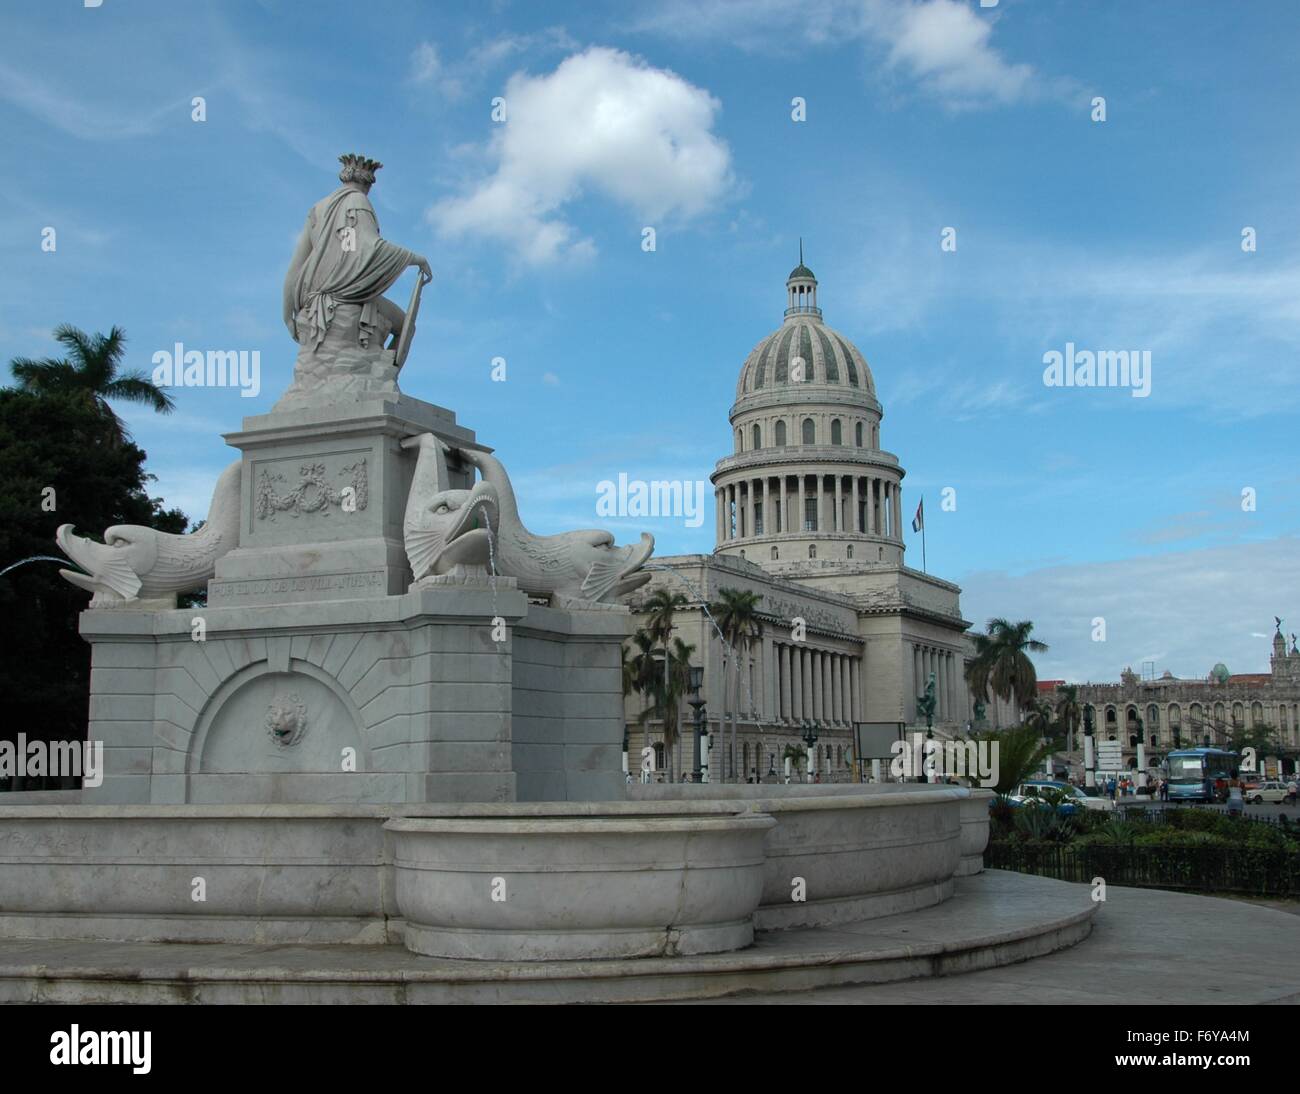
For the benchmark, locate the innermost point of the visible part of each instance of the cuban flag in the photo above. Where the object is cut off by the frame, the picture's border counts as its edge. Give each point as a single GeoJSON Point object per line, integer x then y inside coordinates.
{"type": "Point", "coordinates": [918, 521]}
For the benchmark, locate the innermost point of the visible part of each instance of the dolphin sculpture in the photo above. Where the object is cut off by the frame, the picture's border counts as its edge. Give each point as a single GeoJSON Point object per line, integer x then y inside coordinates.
{"type": "Point", "coordinates": [581, 565]}
{"type": "Point", "coordinates": [443, 528]}
{"type": "Point", "coordinates": [138, 563]}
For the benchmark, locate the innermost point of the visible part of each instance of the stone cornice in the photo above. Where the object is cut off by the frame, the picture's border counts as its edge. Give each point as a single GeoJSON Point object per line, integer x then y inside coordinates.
{"type": "Point", "coordinates": [818, 457]}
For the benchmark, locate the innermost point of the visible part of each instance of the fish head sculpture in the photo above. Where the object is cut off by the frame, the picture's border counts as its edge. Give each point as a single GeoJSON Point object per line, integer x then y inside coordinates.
{"type": "Point", "coordinates": [112, 569]}
{"type": "Point", "coordinates": [445, 528]}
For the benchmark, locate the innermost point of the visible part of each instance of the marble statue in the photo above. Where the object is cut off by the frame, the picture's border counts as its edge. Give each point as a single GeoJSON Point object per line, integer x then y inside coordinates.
{"type": "Point", "coordinates": [142, 564]}
{"type": "Point", "coordinates": [446, 531]}
{"type": "Point", "coordinates": [571, 566]}
{"type": "Point", "coordinates": [334, 306]}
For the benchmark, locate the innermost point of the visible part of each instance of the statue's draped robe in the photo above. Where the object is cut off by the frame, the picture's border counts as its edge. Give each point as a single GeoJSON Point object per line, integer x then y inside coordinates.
{"type": "Point", "coordinates": [342, 267]}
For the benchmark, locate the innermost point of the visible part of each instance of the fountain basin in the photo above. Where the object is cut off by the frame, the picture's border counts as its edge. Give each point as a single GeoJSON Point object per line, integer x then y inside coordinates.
{"type": "Point", "coordinates": [974, 831]}
{"type": "Point", "coordinates": [551, 881]}
{"type": "Point", "coordinates": [844, 852]}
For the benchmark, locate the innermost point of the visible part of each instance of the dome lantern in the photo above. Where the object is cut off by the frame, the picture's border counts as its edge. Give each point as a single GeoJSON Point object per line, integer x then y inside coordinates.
{"type": "Point", "coordinates": [801, 290]}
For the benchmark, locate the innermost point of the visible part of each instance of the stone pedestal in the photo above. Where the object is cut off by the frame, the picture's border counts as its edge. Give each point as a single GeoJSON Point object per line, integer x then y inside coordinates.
{"type": "Point", "coordinates": [323, 491]}
{"type": "Point", "coordinates": [442, 694]}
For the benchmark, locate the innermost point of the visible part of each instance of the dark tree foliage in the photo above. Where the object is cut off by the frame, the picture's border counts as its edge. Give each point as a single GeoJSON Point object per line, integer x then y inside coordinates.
{"type": "Point", "coordinates": [98, 477]}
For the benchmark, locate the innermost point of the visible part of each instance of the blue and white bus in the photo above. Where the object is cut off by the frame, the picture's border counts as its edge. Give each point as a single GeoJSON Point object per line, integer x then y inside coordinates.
{"type": "Point", "coordinates": [1201, 774]}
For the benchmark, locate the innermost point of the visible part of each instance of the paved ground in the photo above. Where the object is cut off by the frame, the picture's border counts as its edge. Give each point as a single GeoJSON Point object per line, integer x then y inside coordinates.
{"type": "Point", "coordinates": [1146, 946]}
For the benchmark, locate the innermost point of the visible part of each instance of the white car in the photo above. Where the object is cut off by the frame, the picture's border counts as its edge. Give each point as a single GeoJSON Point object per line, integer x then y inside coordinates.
{"type": "Point", "coordinates": [1271, 791]}
{"type": "Point", "coordinates": [1028, 792]}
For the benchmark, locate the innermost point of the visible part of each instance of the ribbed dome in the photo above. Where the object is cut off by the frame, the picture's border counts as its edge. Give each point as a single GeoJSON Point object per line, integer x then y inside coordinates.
{"type": "Point", "coordinates": [829, 358]}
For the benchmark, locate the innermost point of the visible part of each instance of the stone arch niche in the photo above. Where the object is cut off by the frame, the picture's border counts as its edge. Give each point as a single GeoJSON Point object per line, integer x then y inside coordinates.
{"type": "Point", "coordinates": [265, 727]}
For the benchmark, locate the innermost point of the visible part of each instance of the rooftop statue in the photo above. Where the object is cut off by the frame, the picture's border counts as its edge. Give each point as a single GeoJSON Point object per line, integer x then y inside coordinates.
{"type": "Point", "coordinates": [334, 306]}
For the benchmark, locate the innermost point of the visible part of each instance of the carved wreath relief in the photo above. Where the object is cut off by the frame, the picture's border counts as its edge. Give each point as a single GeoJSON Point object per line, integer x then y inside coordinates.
{"type": "Point", "coordinates": [312, 494]}
{"type": "Point", "coordinates": [286, 719]}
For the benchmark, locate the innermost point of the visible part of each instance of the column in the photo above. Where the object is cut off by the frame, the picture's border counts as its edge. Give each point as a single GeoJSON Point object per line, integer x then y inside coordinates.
{"type": "Point", "coordinates": [917, 683]}
{"type": "Point", "coordinates": [898, 510]}
{"type": "Point", "coordinates": [798, 521]}
{"type": "Point", "coordinates": [717, 514]}
{"type": "Point", "coordinates": [873, 518]}
{"type": "Point", "coordinates": [805, 685]}
{"type": "Point", "coordinates": [828, 689]}
{"type": "Point", "coordinates": [853, 501]}
{"type": "Point", "coordinates": [846, 683]}
{"type": "Point", "coordinates": [855, 689]}
{"type": "Point", "coordinates": [785, 682]}
{"type": "Point", "coordinates": [815, 657]}
{"type": "Point", "coordinates": [782, 525]}
{"type": "Point", "coordinates": [839, 504]}
{"type": "Point", "coordinates": [837, 690]}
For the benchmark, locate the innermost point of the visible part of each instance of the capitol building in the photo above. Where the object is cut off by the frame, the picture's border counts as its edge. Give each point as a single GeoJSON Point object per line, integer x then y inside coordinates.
{"type": "Point", "coordinates": [809, 516]}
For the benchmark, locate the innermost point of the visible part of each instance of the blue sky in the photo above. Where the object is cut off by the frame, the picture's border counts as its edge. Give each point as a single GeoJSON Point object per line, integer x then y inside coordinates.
{"type": "Point", "coordinates": [1123, 234]}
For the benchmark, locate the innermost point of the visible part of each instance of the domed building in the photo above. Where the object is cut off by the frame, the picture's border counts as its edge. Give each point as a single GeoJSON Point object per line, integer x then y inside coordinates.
{"type": "Point", "coordinates": [808, 480]}
{"type": "Point", "coordinates": [810, 518]}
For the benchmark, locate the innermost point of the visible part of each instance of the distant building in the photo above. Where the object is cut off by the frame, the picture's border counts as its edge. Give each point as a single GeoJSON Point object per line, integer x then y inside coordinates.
{"type": "Point", "coordinates": [810, 515]}
{"type": "Point", "coordinates": [1168, 712]}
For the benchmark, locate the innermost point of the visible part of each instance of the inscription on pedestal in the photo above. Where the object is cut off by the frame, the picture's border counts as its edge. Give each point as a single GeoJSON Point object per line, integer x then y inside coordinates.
{"type": "Point", "coordinates": [310, 587]}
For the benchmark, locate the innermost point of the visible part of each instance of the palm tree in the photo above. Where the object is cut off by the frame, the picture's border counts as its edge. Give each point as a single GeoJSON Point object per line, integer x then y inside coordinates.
{"type": "Point", "coordinates": [91, 372]}
{"type": "Point", "coordinates": [1069, 712]}
{"type": "Point", "coordinates": [666, 691]}
{"type": "Point", "coordinates": [659, 608]}
{"type": "Point", "coordinates": [736, 616]}
{"type": "Point", "coordinates": [1002, 665]}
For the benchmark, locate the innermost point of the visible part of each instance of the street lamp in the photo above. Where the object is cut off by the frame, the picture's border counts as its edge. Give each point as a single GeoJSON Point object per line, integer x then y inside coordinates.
{"type": "Point", "coordinates": [809, 739]}
{"type": "Point", "coordinates": [701, 736]}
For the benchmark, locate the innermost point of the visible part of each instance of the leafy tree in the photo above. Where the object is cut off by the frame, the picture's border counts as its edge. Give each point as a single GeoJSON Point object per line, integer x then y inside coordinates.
{"type": "Point", "coordinates": [91, 373]}
{"type": "Point", "coordinates": [660, 607]}
{"type": "Point", "coordinates": [62, 461]}
{"type": "Point", "coordinates": [1019, 752]}
{"type": "Point", "coordinates": [736, 615]}
{"type": "Point", "coordinates": [1069, 712]}
{"type": "Point", "coordinates": [1001, 664]}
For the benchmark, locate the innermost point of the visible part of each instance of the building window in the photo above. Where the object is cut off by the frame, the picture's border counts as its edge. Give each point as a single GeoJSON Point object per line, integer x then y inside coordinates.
{"type": "Point", "coordinates": [810, 514]}
{"type": "Point", "coordinates": [740, 441]}
{"type": "Point", "coordinates": [837, 436]}
{"type": "Point", "coordinates": [809, 431]}
{"type": "Point", "coordinates": [758, 437]}
{"type": "Point", "coordinates": [812, 550]}
{"type": "Point", "coordinates": [758, 518]}
{"type": "Point", "coordinates": [857, 434]}
{"type": "Point", "coordinates": [742, 552]}
{"type": "Point", "coordinates": [849, 551]}
{"type": "Point", "coordinates": [775, 554]}
{"type": "Point", "coordinates": [780, 434]}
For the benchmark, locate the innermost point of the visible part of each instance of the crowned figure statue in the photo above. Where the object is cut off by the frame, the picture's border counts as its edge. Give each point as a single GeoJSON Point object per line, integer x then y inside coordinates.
{"type": "Point", "coordinates": [334, 306]}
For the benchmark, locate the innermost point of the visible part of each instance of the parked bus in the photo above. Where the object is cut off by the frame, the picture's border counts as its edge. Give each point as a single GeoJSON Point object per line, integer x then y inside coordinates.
{"type": "Point", "coordinates": [1201, 774]}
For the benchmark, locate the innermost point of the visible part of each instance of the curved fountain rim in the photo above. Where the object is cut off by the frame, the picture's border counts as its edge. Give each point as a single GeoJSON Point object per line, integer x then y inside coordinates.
{"type": "Point", "coordinates": [580, 825]}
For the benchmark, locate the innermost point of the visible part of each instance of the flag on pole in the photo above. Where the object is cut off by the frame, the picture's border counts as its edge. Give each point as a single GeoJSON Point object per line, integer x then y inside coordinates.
{"type": "Point", "coordinates": [918, 521]}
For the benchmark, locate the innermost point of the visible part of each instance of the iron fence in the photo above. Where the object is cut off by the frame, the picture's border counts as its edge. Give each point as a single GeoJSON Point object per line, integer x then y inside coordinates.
{"type": "Point", "coordinates": [1255, 871]}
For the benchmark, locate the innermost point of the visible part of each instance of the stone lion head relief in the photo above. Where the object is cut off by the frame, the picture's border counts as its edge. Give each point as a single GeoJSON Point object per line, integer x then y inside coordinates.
{"type": "Point", "coordinates": [286, 719]}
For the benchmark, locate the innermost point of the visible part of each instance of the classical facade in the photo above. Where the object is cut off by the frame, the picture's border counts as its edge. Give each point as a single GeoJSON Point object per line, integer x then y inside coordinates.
{"type": "Point", "coordinates": [809, 515]}
{"type": "Point", "coordinates": [1169, 712]}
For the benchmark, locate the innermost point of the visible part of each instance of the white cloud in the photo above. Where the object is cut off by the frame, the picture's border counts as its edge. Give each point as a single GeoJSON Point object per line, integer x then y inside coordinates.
{"type": "Point", "coordinates": [1184, 610]}
{"type": "Point", "coordinates": [604, 123]}
{"type": "Point", "coordinates": [945, 46]}
{"type": "Point", "coordinates": [942, 45]}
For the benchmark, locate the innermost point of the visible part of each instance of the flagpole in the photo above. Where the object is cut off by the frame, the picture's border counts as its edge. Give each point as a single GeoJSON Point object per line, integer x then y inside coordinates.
{"type": "Point", "coordinates": [924, 568]}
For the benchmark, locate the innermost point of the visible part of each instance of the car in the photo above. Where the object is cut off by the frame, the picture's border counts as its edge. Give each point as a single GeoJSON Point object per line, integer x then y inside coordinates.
{"type": "Point", "coordinates": [1030, 792]}
{"type": "Point", "coordinates": [1269, 791]}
